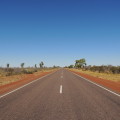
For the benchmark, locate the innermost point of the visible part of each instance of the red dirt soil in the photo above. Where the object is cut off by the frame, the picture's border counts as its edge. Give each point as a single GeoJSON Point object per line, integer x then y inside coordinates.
{"type": "Point", "coordinates": [11, 86]}
{"type": "Point", "coordinates": [115, 86]}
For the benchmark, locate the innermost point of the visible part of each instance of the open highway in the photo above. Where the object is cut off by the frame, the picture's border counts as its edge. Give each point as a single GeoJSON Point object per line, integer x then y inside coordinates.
{"type": "Point", "coordinates": [61, 95]}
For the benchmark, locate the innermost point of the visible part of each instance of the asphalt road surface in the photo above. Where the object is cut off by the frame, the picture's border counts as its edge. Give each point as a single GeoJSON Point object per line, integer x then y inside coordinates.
{"type": "Point", "coordinates": [60, 96]}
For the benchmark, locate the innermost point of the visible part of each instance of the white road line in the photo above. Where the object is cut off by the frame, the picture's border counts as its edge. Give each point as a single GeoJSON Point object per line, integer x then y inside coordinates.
{"type": "Point", "coordinates": [98, 85]}
{"type": "Point", "coordinates": [24, 85]}
{"type": "Point", "coordinates": [61, 76]}
{"type": "Point", "coordinates": [60, 89]}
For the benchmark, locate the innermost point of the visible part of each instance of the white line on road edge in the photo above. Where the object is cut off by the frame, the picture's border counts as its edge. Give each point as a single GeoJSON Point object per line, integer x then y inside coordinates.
{"type": "Point", "coordinates": [25, 85]}
{"type": "Point", "coordinates": [60, 89]}
{"type": "Point", "coordinates": [97, 85]}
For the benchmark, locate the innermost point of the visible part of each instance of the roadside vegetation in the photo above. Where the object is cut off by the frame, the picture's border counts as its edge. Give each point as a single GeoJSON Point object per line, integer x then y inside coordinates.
{"type": "Point", "coordinates": [107, 72]}
{"type": "Point", "coordinates": [9, 74]}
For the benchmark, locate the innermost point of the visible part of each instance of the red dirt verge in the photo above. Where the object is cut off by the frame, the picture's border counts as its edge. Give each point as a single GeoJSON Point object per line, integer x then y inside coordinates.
{"type": "Point", "coordinates": [115, 86]}
{"type": "Point", "coordinates": [11, 86]}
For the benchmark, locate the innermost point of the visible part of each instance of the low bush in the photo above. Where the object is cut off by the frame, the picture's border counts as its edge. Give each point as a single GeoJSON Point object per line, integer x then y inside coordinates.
{"type": "Point", "coordinates": [27, 71]}
{"type": "Point", "coordinates": [104, 69]}
{"type": "Point", "coordinates": [9, 71]}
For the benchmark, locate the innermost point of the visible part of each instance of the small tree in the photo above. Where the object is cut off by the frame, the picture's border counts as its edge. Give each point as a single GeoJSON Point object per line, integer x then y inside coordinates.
{"type": "Point", "coordinates": [22, 65]}
{"type": "Point", "coordinates": [8, 65]}
{"type": "Point", "coordinates": [80, 63]}
{"type": "Point", "coordinates": [35, 66]}
{"type": "Point", "coordinates": [41, 65]}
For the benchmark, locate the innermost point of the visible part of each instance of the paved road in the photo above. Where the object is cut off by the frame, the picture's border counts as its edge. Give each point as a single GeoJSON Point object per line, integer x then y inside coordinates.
{"type": "Point", "coordinates": [60, 96]}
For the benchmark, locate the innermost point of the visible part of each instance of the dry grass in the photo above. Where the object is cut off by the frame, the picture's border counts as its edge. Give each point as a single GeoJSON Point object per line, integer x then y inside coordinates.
{"type": "Point", "coordinates": [110, 76]}
{"type": "Point", "coordinates": [49, 70]}
{"type": "Point", "coordinates": [9, 79]}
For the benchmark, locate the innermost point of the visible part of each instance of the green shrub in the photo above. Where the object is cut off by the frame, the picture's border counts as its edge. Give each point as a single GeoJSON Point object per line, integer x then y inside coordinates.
{"type": "Point", "coordinates": [9, 71]}
{"type": "Point", "coordinates": [26, 71]}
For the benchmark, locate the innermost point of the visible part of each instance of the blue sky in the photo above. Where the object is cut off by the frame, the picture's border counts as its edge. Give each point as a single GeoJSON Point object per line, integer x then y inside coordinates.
{"type": "Point", "coordinates": [59, 31]}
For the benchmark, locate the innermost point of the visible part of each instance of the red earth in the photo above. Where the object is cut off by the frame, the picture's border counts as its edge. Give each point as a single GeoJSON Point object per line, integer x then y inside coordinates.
{"type": "Point", "coordinates": [11, 86]}
{"type": "Point", "coordinates": [115, 86]}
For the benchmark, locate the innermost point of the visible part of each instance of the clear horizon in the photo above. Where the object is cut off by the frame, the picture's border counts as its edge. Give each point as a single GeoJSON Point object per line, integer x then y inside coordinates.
{"type": "Point", "coordinates": [59, 32]}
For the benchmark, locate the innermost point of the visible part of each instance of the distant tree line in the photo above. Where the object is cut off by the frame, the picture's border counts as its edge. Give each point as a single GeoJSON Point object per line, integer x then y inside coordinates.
{"type": "Point", "coordinates": [41, 65]}
{"type": "Point", "coordinates": [81, 64]}
{"type": "Point", "coordinates": [8, 71]}
{"type": "Point", "coordinates": [104, 69]}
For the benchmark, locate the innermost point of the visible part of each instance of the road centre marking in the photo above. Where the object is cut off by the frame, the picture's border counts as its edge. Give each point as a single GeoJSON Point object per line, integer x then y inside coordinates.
{"type": "Point", "coordinates": [60, 89]}
{"type": "Point", "coordinates": [61, 76]}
